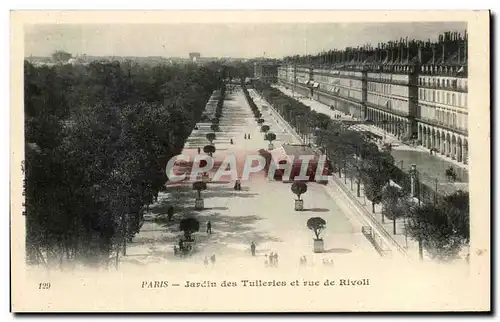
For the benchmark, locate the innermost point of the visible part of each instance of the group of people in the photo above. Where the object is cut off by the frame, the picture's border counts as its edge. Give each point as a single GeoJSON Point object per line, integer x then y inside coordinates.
{"type": "Point", "coordinates": [212, 259]}
{"type": "Point", "coordinates": [183, 247]}
{"type": "Point", "coordinates": [247, 136]}
{"type": "Point", "coordinates": [271, 260]}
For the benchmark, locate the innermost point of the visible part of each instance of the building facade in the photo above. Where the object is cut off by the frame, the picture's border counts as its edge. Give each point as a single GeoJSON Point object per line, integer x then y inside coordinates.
{"type": "Point", "coordinates": [405, 90]}
{"type": "Point", "coordinates": [266, 71]}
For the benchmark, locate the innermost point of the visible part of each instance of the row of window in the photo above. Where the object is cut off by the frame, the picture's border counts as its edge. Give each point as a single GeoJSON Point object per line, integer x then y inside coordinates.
{"type": "Point", "coordinates": [443, 97]}
{"type": "Point", "coordinates": [443, 82]}
{"type": "Point", "coordinates": [388, 89]}
{"type": "Point", "coordinates": [338, 81]}
{"type": "Point", "coordinates": [397, 104]}
{"type": "Point", "coordinates": [447, 118]}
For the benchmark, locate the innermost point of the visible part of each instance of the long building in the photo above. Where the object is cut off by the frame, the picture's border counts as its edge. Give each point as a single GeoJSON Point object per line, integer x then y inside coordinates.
{"type": "Point", "coordinates": [414, 90]}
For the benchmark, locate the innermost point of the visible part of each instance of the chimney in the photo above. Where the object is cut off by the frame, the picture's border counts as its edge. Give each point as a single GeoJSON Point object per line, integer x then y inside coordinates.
{"type": "Point", "coordinates": [443, 54]}
{"type": "Point", "coordinates": [407, 51]}
{"type": "Point", "coordinates": [465, 49]}
{"type": "Point", "coordinates": [459, 52]}
{"type": "Point", "coordinates": [433, 54]}
{"type": "Point", "coordinates": [419, 54]}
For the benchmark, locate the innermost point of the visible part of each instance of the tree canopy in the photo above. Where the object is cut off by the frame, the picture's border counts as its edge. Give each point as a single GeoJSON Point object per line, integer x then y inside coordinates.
{"type": "Point", "coordinates": [103, 133]}
{"type": "Point", "coordinates": [317, 225]}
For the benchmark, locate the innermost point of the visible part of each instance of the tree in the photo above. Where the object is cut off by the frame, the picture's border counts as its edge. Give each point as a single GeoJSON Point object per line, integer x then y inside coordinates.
{"type": "Point", "coordinates": [103, 133]}
{"type": "Point", "coordinates": [299, 188]}
{"type": "Point", "coordinates": [373, 191]}
{"type": "Point", "coordinates": [199, 186]}
{"type": "Point", "coordinates": [189, 226]}
{"type": "Point", "coordinates": [430, 225]}
{"type": "Point", "coordinates": [270, 137]}
{"type": "Point", "coordinates": [458, 205]}
{"type": "Point", "coordinates": [209, 149]}
{"type": "Point", "coordinates": [260, 121]}
{"type": "Point", "coordinates": [459, 199]}
{"type": "Point", "coordinates": [210, 137]}
{"type": "Point", "coordinates": [265, 128]}
{"type": "Point", "coordinates": [215, 128]}
{"type": "Point", "coordinates": [317, 225]}
{"type": "Point", "coordinates": [392, 204]}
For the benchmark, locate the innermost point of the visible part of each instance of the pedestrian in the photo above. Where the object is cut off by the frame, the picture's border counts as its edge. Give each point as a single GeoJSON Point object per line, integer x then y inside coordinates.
{"type": "Point", "coordinates": [271, 259]}
{"type": "Point", "coordinates": [275, 259]}
{"type": "Point", "coordinates": [199, 150]}
{"type": "Point", "coordinates": [205, 261]}
{"type": "Point", "coordinates": [252, 248]}
{"type": "Point", "coordinates": [209, 227]}
{"type": "Point", "coordinates": [245, 136]}
{"type": "Point", "coordinates": [249, 136]}
{"type": "Point", "coordinates": [170, 213]}
{"type": "Point", "coordinates": [231, 141]}
{"type": "Point", "coordinates": [212, 259]}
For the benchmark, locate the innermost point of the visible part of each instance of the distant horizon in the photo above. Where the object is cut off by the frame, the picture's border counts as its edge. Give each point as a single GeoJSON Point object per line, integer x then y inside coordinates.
{"type": "Point", "coordinates": [241, 41]}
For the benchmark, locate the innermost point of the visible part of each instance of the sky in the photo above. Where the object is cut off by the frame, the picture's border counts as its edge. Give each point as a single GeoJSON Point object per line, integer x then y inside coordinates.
{"type": "Point", "coordinates": [220, 40]}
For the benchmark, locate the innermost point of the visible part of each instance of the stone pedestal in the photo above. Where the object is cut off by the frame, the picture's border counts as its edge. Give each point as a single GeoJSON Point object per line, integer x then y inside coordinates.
{"type": "Point", "coordinates": [270, 146]}
{"type": "Point", "coordinates": [319, 246]}
{"type": "Point", "coordinates": [199, 204]}
{"type": "Point", "coordinates": [299, 205]}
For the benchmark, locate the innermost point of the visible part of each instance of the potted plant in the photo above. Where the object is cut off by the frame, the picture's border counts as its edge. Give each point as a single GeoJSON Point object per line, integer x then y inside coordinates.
{"type": "Point", "coordinates": [204, 176]}
{"type": "Point", "coordinates": [317, 225]}
{"type": "Point", "coordinates": [214, 127]}
{"type": "Point", "coordinates": [209, 149]}
{"type": "Point", "coordinates": [199, 186]}
{"type": "Point", "coordinates": [264, 129]}
{"type": "Point", "coordinates": [299, 188]}
{"type": "Point", "coordinates": [270, 137]}
{"type": "Point", "coordinates": [210, 137]}
{"type": "Point", "coordinates": [189, 226]}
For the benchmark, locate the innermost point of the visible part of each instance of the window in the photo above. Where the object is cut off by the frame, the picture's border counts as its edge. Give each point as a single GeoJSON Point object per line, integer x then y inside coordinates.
{"type": "Point", "coordinates": [447, 83]}
{"type": "Point", "coordinates": [433, 96]}
{"type": "Point", "coordinates": [448, 98]}
{"type": "Point", "coordinates": [452, 99]}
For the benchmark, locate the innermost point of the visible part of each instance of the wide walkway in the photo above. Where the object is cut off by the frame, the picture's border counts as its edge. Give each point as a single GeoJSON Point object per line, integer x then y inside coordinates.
{"type": "Point", "coordinates": [263, 212]}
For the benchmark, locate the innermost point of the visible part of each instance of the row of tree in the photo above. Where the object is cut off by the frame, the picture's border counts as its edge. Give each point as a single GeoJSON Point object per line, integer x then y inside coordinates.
{"type": "Point", "coordinates": [264, 128]}
{"type": "Point", "coordinates": [442, 228]}
{"type": "Point", "coordinates": [98, 138]}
